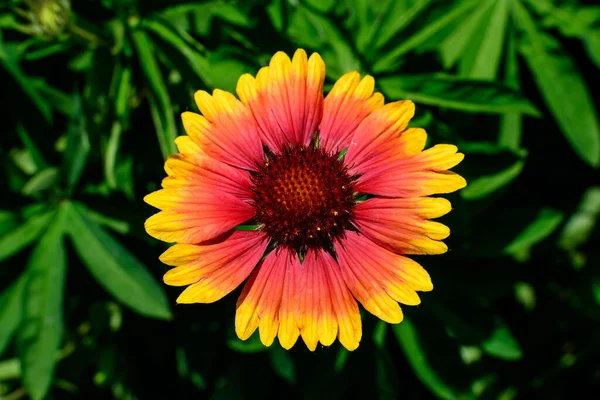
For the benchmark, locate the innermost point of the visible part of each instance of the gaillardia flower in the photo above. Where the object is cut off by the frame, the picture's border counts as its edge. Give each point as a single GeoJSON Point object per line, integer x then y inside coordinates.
{"type": "Point", "coordinates": [314, 202]}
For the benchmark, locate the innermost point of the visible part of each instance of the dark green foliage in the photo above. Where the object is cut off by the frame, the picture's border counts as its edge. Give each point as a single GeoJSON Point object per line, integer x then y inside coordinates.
{"type": "Point", "coordinates": [90, 100]}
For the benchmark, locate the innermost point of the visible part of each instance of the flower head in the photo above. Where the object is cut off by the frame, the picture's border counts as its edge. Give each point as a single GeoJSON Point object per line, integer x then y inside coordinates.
{"type": "Point", "coordinates": [49, 18]}
{"type": "Point", "coordinates": [314, 202]}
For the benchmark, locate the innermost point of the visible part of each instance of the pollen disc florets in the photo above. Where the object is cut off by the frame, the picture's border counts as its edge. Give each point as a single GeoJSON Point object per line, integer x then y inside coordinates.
{"type": "Point", "coordinates": [303, 197]}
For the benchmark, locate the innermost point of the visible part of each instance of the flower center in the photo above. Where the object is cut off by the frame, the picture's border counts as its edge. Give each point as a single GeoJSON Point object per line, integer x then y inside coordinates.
{"type": "Point", "coordinates": [303, 198]}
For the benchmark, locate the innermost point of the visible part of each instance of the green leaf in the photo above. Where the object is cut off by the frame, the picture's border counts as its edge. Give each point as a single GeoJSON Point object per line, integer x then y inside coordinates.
{"type": "Point", "coordinates": [43, 180]}
{"type": "Point", "coordinates": [457, 93]}
{"type": "Point", "coordinates": [110, 157]}
{"type": "Point", "coordinates": [489, 43]}
{"type": "Point", "coordinates": [160, 102]}
{"type": "Point", "coordinates": [78, 146]}
{"type": "Point", "coordinates": [341, 359]}
{"type": "Point", "coordinates": [41, 329]}
{"type": "Point", "coordinates": [11, 311]}
{"type": "Point", "coordinates": [379, 334]}
{"type": "Point", "coordinates": [283, 364]}
{"type": "Point", "coordinates": [114, 224]}
{"type": "Point", "coordinates": [511, 125]}
{"type": "Point", "coordinates": [24, 235]}
{"type": "Point", "coordinates": [485, 185]}
{"type": "Point", "coordinates": [34, 153]}
{"type": "Point", "coordinates": [226, 67]}
{"type": "Point", "coordinates": [578, 229]}
{"type": "Point", "coordinates": [115, 269]}
{"type": "Point", "coordinates": [183, 43]}
{"type": "Point", "coordinates": [250, 345]}
{"type": "Point", "coordinates": [408, 338]}
{"type": "Point", "coordinates": [397, 19]}
{"type": "Point", "coordinates": [10, 369]}
{"type": "Point", "coordinates": [525, 294]}
{"type": "Point", "coordinates": [387, 377]}
{"type": "Point", "coordinates": [454, 45]}
{"type": "Point", "coordinates": [592, 46]}
{"type": "Point", "coordinates": [562, 87]}
{"type": "Point", "coordinates": [121, 107]}
{"type": "Point", "coordinates": [9, 59]}
{"type": "Point", "coordinates": [390, 58]}
{"type": "Point", "coordinates": [59, 100]}
{"type": "Point", "coordinates": [308, 29]}
{"type": "Point", "coordinates": [543, 226]}
{"type": "Point", "coordinates": [8, 222]}
{"type": "Point", "coordinates": [502, 344]}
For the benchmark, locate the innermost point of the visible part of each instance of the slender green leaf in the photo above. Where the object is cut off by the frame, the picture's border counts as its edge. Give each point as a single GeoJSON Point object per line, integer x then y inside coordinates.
{"type": "Point", "coordinates": [525, 294]}
{"type": "Point", "coordinates": [388, 60]}
{"type": "Point", "coordinates": [511, 125]}
{"type": "Point", "coordinates": [398, 19]}
{"type": "Point", "coordinates": [578, 229]}
{"type": "Point", "coordinates": [460, 94]}
{"type": "Point", "coordinates": [22, 159]}
{"type": "Point", "coordinates": [123, 93]}
{"type": "Point", "coordinates": [40, 332]}
{"type": "Point", "coordinates": [562, 87]}
{"type": "Point", "coordinates": [110, 157]}
{"type": "Point", "coordinates": [380, 333]}
{"type": "Point", "coordinates": [43, 180]}
{"type": "Point", "coordinates": [8, 222]}
{"type": "Point", "coordinates": [485, 185]}
{"type": "Point", "coordinates": [11, 311]}
{"type": "Point", "coordinates": [387, 377]}
{"type": "Point", "coordinates": [408, 338]}
{"type": "Point", "coordinates": [9, 60]}
{"type": "Point", "coordinates": [10, 369]}
{"type": "Point", "coordinates": [114, 224]}
{"type": "Point", "coordinates": [34, 153]}
{"type": "Point", "coordinates": [24, 235]}
{"type": "Point", "coordinates": [502, 344]}
{"type": "Point", "coordinates": [341, 359]}
{"type": "Point", "coordinates": [250, 345]}
{"type": "Point", "coordinates": [543, 226]}
{"type": "Point", "coordinates": [160, 103]}
{"type": "Point", "coordinates": [487, 59]}
{"type": "Point", "coordinates": [78, 146]}
{"type": "Point", "coordinates": [44, 49]}
{"type": "Point", "coordinates": [454, 45]}
{"type": "Point", "coordinates": [306, 27]}
{"type": "Point", "coordinates": [283, 364]}
{"type": "Point", "coordinates": [596, 291]}
{"type": "Point", "coordinates": [592, 45]}
{"type": "Point", "coordinates": [196, 59]}
{"type": "Point", "coordinates": [117, 270]}
{"type": "Point", "coordinates": [121, 107]}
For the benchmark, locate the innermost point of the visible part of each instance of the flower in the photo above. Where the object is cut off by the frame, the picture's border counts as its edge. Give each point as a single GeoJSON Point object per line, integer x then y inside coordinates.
{"type": "Point", "coordinates": [49, 18]}
{"type": "Point", "coordinates": [314, 202]}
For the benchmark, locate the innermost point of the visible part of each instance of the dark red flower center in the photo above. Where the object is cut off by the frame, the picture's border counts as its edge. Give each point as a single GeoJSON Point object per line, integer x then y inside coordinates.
{"type": "Point", "coordinates": [303, 197]}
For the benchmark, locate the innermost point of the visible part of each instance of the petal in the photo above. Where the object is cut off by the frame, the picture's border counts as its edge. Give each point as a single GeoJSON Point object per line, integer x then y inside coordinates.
{"type": "Point", "coordinates": [191, 215]}
{"type": "Point", "coordinates": [378, 132]}
{"type": "Point", "coordinates": [267, 300]}
{"type": "Point", "coordinates": [227, 131]}
{"type": "Point", "coordinates": [214, 269]}
{"type": "Point", "coordinates": [347, 104]}
{"type": "Point", "coordinates": [192, 167]}
{"type": "Point", "coordinates": [402, 225]}
{"type": "Point", "coordinates": [378, 278]}
{"type": "Point", "coordinates": [326, 309]}
{"type": "Point", "coordinates": [419, 175]}
{"type": "Point", "coordinates": [286, 98]}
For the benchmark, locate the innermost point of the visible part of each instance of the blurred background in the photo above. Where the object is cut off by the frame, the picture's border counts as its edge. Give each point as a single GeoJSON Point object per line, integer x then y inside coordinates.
{"type": "Point", "coordinates": [91, 92]}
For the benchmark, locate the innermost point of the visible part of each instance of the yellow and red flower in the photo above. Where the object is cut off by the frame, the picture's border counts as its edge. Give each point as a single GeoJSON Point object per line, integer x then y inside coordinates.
{"type": "Point", "coordinates": [314, 202]}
